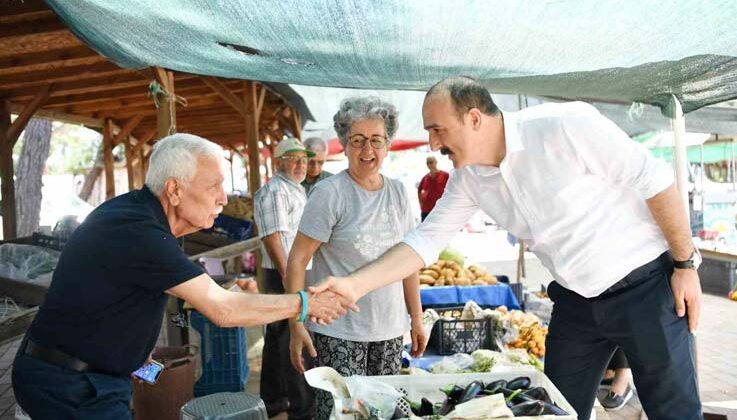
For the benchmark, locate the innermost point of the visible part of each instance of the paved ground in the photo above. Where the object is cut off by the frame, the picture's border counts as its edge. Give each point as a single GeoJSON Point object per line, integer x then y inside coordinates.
{"type": "Point", "coordinates": [716, 338]}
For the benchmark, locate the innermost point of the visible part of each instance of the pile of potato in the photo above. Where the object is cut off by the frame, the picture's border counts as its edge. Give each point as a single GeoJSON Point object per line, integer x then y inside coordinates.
{"type": "Point", "coordinates": [450, 273]}
{"type": "Point", "coordinates": [531, 333]}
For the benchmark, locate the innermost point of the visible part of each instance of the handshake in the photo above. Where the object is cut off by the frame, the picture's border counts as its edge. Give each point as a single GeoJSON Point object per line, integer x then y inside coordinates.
{"type": "Point", "coordinates": [330, 300]}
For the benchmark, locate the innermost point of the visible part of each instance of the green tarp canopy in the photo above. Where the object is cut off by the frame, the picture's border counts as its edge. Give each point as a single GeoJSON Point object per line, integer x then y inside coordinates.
{"type": "Point", "coordinates": [615, 51]}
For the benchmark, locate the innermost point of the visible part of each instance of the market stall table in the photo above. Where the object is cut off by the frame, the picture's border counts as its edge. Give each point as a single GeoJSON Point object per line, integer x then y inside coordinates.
{"type": "Point", "coordinates": [490, 295]}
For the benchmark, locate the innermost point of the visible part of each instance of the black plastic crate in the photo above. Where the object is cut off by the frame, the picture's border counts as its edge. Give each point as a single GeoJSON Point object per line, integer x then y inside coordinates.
{"type": "Point", "coordinates": [459, 336]}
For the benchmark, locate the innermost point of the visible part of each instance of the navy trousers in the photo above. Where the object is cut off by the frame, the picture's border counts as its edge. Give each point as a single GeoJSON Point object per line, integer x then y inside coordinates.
{"type": "Point", "coordinates": [639, 317]}
{"type": "Point", "coordinates": [47, 391]}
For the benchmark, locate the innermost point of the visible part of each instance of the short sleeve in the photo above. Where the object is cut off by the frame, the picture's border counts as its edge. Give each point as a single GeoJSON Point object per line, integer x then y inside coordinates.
{"type": "Point", "coordinates": [158, 262]}
{"type": "Point", "coordinates": [271, 213]}
{"type": "Point", "coordinates": [321, 212]}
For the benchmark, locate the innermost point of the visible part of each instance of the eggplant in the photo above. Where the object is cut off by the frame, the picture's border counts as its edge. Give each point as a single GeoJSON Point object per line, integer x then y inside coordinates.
{"type": "Point", "coordinates": [528, 408]}
{"type": "Point", "coordinates": [493, 387]}
{"type": "Point", "coordinates": [398, 414]}
{"type": "Point", "coordinates": [553, 409]}
{"type": "Point", "coordinates": [472, 389]}
{"type": "Point", "coordinates": [523, 382]}
{"type": "Point", "coordinates": [454, 392]}
{"type": "Point", "coordinates": [538, 393]}
{"type": "Point", "coordinates": [426, 408]}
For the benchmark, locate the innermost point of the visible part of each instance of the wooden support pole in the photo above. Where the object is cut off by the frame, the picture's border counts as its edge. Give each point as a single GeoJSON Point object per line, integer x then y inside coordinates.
{"type": "Point", "coordinates": [296, 124]}
{"type": "Point", "coordinates": [251, 123]}
{"type": "Point", "coordinates": [107, 140]}
{"type": "Point", "coordinates": [142, 142]}
{"type": "Point", "coordinates": [141, 167]}
{"type": "Point", "coordinates": [129, 164]}
{"type": "Point", "coordinates": [6, 173]}
{"type": "Point", "coordinates": [166, 113]}
{"type": "Point", "coordinates": [228, 96]}
{"type": "Point", "coordinates": [127, 129]}
{"type": "Point", "coordinates": [13, 132]}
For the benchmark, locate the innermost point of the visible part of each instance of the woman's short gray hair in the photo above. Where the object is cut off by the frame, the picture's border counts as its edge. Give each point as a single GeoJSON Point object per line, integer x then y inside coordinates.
{"type": "Point", "coordinates": [316, 144]}
{"type": "Point", "coordinates": [364, 108]}
{"type": "Point", "coordinates": [175, 156]}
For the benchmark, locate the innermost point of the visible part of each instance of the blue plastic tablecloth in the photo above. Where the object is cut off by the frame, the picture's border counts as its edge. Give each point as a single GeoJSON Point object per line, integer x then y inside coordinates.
{"type": "Point", "coordinates": [492, 295]}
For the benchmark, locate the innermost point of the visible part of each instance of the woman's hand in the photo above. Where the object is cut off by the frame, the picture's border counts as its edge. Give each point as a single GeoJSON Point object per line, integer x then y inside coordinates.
{"type": "Point", "coordinates": [419, 337]}
{"type": "Point", "coordinates": [299, 338]}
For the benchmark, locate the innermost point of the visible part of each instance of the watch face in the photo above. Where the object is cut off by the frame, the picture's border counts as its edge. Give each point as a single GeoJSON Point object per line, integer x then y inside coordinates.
{"type": "Point", "coordinates": [696, 258]}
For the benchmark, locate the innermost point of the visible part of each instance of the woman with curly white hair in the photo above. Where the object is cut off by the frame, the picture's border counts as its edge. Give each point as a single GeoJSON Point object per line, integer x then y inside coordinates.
{"type": "Point", "coordinates": [351, 219]}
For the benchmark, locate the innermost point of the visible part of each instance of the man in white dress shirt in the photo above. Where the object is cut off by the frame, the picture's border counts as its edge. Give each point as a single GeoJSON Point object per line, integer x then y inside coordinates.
{"type": "Point", "coordinates": [600, 213]}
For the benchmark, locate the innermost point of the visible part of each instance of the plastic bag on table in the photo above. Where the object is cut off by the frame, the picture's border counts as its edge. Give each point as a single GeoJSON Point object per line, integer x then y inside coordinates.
{"type": "Point", "coordinates": [453, 364]}
{"type": "Point", "coordinates": [27, 262]}
{"type": "Point", "coordinates": [356, 395]}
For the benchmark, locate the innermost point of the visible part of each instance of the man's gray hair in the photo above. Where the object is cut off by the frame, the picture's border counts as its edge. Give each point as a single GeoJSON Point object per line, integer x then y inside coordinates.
{"type": "Point", "coordinates": [316, 144]}
{"type": "Point", "coordinates": [175, 156]}
{"type": "Point", "coordinates": [364, 108]}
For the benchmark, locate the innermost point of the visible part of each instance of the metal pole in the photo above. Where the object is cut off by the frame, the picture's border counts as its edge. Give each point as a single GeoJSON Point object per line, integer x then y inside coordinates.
{"type": "Point", "coordinates": [680, 160]}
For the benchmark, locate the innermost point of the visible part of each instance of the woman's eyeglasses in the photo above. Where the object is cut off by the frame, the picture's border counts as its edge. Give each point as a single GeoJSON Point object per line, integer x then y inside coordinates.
{"type": "Point", "coordinates": [358, 141]}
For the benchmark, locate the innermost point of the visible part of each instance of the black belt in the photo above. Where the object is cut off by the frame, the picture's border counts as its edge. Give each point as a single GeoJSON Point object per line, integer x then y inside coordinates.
{"type": "Point", "coordinates": [640, 274]}
{"type": "Point", "coordinates": [55, 357]}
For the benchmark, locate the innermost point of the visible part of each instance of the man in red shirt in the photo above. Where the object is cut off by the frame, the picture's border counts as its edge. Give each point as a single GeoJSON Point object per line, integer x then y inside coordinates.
{"type": "Point", "coordinates": [431, 187]}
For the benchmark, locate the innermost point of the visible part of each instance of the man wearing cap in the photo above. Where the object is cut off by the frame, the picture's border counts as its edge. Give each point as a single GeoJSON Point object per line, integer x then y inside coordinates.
{"type": "Point", "coordinates": [278, 208]}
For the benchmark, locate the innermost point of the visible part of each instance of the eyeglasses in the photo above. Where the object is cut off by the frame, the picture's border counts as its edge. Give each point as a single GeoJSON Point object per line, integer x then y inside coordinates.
{"type": "Point", "coordinates": [296, 159]}
{"type": "Point", "coordinates": [358, 141]}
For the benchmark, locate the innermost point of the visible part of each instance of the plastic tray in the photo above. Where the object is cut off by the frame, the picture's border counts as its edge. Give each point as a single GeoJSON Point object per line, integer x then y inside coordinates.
{"type": "Point", "coordinates": [428, 386]}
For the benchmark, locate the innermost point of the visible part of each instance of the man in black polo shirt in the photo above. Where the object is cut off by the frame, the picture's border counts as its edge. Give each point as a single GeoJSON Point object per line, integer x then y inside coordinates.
{"type": "Point", "coordinates": [104, 309]}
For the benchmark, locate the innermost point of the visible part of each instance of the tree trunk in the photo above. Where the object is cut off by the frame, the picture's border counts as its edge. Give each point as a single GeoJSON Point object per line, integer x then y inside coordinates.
{"type": "Point", "coordinates": [29, 175]}
{"type": "Point", "coordinates": [93, 174]}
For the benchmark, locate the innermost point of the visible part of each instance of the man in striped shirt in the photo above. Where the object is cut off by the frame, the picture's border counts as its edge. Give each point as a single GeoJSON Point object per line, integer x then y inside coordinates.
{"type": "Point", "coordinates": [278, 208]}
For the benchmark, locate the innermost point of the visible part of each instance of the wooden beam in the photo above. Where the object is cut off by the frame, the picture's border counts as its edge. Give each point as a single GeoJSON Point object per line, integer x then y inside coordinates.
{"type": "Point", "coordinates": [82, 72]}
{"type": "Point", "coordinates": [94, 83]}
{"type": "Point", "coordinates": [6, 173]}
{"type": "Point", "coordinates": [36, 23]}
{"type": "Point", "coordinates": [107, 139]}
{"type": "Point", "coordinates": [225, 93]}
{"type": "Point", "coordinates": [127, 129]}
{"type": "Point", "coordinates": [144, 140]}
{"type": "Point", "coordinates": [20, 122]}
{"type": "Point", "coordinates": [23, 44]}
{"type": "Point", "coordinates": [61, 116]}
{"type": "Point", "coordinates": [138, 93]}
{"type": "Point", "coordinates": [44, 57]}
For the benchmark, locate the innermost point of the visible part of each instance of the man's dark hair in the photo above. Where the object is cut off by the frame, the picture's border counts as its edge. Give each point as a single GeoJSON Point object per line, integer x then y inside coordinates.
{"type": "Point", "coordinates": [465, 93]}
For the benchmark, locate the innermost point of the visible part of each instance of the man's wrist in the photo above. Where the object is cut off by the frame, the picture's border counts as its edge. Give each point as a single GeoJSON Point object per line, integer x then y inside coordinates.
{"type": "Point", "coordinates": [691, 263]}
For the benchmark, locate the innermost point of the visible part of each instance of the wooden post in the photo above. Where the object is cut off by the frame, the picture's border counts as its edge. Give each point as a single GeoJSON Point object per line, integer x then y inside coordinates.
{"type": "Point", "coordinates": [107, 140]}
{"type": "Point", "coordinates": [129, 164]}
{"type": "Point", "coordinates": [296, 124]}
{"type": "Point", "coordinates": [251, 122]}
{"type": "Point", "coordinates": [9, 134]}
{"type": "Point", "coordinates": [6, 172]}
{"type": "Point", "coordinates": [166, 113]}
{"type": "Point", "coordinates": [141, 168]}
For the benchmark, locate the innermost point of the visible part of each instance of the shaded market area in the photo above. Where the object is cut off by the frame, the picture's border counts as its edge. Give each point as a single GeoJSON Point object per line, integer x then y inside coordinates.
{"type": "Point", "coordinates": [247, 75]}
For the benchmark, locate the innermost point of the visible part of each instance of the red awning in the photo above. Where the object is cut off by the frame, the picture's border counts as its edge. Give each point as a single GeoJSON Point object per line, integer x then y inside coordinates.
{"type": "Point", "coordinates": [334, 146]}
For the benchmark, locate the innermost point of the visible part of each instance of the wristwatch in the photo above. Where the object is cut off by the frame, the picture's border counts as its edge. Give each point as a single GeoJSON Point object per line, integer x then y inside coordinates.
{"type": "Point", "coordinates": [693, 262]}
